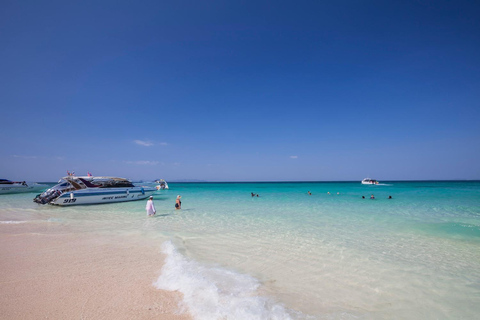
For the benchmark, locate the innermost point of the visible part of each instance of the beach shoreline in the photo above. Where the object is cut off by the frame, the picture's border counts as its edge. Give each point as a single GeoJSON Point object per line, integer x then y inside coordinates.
{"type": "Point", "coordinates": [54, 272]}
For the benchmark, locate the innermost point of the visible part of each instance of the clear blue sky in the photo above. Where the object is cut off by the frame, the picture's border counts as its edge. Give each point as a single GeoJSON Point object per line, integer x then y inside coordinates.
{"type": "Point", "coordinates": [240, 90]}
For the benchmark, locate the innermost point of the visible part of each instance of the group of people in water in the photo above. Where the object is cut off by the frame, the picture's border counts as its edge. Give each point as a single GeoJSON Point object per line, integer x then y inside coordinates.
{"type": "Point", "coordinates": [151, 211]}
{"type": "Point", "coordinates": [309, 193]}
{"type": "Point", "coordinates": [150, 207]}
{"type": "Point", "coordinates": [373, 197]}
{"type": "Point", "coordinates": [363, 197]}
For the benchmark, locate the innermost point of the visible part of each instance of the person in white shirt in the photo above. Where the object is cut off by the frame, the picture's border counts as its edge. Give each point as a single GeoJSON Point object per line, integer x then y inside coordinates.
{"type": "Point", "coordinates": [150, 207]}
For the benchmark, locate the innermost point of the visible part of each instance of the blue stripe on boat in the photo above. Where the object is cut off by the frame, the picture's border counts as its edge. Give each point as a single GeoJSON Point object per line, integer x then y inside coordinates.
{"type": "Point", "coordinates": [76, 195]}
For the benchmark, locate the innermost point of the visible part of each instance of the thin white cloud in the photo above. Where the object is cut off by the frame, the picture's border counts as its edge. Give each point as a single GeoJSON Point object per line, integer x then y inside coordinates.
{"type": "Point", "coordinates": [143, 143]}
{"type": "Point", "coordinates": [143, 162]}
{"type": "Point", "coordinates": [25, 157]}
{"type": "Point", "coordinates": [38, 157]}
{"type": "Point", "coordinates": [146, 143]}
{"type": "Point", "coordinates": [293, 157]}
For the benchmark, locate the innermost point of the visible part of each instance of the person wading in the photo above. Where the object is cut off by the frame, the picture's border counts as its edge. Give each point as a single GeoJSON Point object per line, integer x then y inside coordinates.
{"type": "Point", "coordinates": [150, 207]}
{"type": "Point", "coordinates": [178, 203]}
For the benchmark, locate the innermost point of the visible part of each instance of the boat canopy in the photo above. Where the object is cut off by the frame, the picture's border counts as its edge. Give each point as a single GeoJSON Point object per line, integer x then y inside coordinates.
{"type": "Point", "coordinates": [97, 182]}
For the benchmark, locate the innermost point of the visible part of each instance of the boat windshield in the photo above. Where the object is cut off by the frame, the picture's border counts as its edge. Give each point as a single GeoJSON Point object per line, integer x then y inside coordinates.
{"type": "Point", "coordinates": [63, 186]}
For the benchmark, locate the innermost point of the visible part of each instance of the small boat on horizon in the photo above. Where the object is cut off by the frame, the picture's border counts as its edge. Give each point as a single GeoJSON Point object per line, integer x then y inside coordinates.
{"type": "Point", "coordinates": [73, 190]}
{"type": "Point", "coordinates": [369, 181]}
{"type": "Point", "coordinates": [7, 186]}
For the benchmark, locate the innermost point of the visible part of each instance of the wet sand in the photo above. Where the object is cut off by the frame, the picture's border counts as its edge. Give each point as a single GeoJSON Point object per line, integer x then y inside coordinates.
{"type": "Point", "coordinates": [52, 273]}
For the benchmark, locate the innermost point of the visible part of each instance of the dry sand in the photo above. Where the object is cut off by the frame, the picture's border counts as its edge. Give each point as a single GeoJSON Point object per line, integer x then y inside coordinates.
{"type": "Point", "coordinates": [58, 274]}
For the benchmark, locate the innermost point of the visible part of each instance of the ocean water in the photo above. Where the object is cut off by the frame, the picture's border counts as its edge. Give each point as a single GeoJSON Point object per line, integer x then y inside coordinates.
{"type": "Point", "coordinates": [290, 255]}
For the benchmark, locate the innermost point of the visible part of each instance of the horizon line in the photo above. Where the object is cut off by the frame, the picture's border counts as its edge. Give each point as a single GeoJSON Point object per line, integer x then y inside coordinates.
{"type": "Point", "coordinates": [289, 181]}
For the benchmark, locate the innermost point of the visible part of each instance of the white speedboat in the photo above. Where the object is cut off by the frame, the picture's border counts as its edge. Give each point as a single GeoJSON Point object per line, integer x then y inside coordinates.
{"type": "Point", "coordinates": [72, 190]}
{"type": "Point", "coordinates": [369, 181]}
{"type": "Point", "coordinates": [7, 186]}
{"type": "Point", "coordinates": [162, 184]}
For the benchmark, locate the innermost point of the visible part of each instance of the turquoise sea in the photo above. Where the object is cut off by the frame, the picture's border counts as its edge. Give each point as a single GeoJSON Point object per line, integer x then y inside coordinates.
{"type": "Point", "coordinates": [290, 255]}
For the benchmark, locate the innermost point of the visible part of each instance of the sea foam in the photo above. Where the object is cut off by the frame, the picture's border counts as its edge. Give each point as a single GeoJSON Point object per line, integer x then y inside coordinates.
{"type": "Point", "coordinates": [12, 222]}
{"type": "Point", "coordinates": [215, 292]}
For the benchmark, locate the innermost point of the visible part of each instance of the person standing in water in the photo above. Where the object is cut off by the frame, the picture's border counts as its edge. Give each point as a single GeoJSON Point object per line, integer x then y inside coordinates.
{"type": "Point", "coordinates": [178, 203]}
{"type": "Point", "coordinates": [150, 207]}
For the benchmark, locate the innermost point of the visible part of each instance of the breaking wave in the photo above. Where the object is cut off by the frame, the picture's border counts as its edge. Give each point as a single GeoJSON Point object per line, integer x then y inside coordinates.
{"type": "Point", "coordinates": [214, 292]}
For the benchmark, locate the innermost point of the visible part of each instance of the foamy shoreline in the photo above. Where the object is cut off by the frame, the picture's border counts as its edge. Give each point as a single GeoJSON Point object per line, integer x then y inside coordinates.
{"type": "Point", "coordinates": [52, 272]}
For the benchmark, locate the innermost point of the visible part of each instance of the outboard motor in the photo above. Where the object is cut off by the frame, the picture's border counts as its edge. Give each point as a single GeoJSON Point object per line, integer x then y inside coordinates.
{"type": "Point", "coordinates": [52, 193]}
{"type": "Point", "coordinates": [47, 196]}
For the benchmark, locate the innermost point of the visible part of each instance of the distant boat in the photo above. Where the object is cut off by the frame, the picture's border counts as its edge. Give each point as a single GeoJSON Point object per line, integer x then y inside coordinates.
{"type": "Point", "coordinates": [7, 186]}
{"type": "Point", "coordinates": [162, 184]}
{"type": "Point", "coordinates": [72, 190]}
{"type": "Point", "coordinates": [369, 181]}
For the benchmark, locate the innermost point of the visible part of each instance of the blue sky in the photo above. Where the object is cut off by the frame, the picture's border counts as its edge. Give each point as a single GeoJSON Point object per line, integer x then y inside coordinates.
{"type": "Point", "coordinates": [240, 90]}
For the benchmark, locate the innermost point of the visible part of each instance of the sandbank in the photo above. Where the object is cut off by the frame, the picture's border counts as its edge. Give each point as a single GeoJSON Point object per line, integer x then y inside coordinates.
{"type": "Point", "coordinates": [52, 273]}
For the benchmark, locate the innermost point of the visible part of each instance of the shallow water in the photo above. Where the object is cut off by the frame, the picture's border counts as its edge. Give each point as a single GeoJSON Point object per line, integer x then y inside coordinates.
{"type": "Point", "coordinates": [290, 255]}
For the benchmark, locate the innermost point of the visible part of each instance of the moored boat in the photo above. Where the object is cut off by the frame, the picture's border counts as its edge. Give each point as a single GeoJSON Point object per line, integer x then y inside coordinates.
{"type": "Point", "coordinates": [162, 184]}
{"type": "Point", "coordinates": [72, 190]}
{"type": "Point", "coordinates": [7, 186]}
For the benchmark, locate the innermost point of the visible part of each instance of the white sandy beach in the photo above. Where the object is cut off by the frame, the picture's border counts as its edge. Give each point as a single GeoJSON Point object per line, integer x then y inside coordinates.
{"type": "Point", "coordinates": [52, 273]}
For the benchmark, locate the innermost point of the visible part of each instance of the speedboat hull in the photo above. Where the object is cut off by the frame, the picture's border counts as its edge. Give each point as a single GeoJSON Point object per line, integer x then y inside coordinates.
{"type": "Point", "coordinates": [74, 190]}
{"type": "Point", "coordinates": [95, 196]}
{"type": "Point", "coordinates": [21, 188]}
